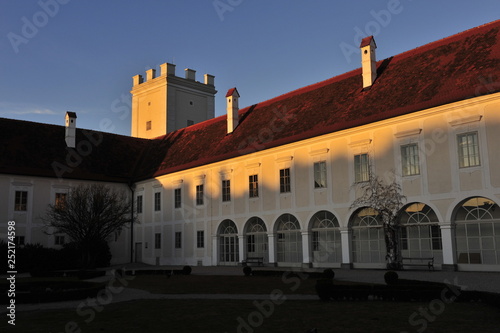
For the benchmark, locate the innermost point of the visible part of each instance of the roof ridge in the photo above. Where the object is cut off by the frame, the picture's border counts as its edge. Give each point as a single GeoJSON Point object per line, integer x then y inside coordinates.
{"type": "Point", "coordinates": [449, 38]}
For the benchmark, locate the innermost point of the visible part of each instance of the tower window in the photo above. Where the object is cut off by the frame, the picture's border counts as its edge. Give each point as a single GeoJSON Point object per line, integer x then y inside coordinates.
{"type": "Point", "coordinates": [148, 125]}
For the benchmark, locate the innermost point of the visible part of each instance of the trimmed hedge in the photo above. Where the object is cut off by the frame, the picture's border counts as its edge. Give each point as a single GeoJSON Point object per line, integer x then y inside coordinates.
{"type": "Point", "coordinates": [279, 273]}
{"type": "Point", "coordinates": [186, 270]}
{"type": "Point", "coordinates": [53, 290]}
{"type": "Point", "coordinates": [401, 291]}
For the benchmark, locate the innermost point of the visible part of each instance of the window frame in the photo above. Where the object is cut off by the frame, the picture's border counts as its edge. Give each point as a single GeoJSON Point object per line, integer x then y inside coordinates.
{"type": "Point", "coordinates": [200, 239]}
{"type": "Point", "coordinates": [361, 168]}
{"type": "Point", "coordinates": [21, 201]}
{"type": "Point", "coordinates": [200, 192]}
{"type": "Point", "coordinates": [285, 180]}
{"type": "Point", "coordinates": [320, 174]}
{"type": "Point", "coordinates": [410, 159]}
{"type": "Point", "coordinates": [157, 201]}
{"type": "Point", "coordinates": [472, 158]}
{"type": "Point", "coordinates": [178, 239]}
{"type": "Point", "coordinates": [253, 186]}
{"type": "Point", "coordinates": [177, 197]}
{"type": "Point", "coordinates": [226, 190]}
{"type": "Point", "coordinates": [158, 240]}
{"type": "Point", "coordinates": [139, 204]}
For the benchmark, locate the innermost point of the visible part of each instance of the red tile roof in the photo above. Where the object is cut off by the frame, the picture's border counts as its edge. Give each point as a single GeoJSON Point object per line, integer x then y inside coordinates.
{"type": "Point", "coordinates": [71, 114]}
{"type": "Point", "coordinates": [452, 69]}
{"type": "Point", "coordinates": [231, 92]}
{"type": "Point", "coordinates": [366, 41]}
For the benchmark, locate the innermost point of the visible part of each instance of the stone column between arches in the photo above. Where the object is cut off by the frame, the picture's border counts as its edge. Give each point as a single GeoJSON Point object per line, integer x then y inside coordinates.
{"type": "Point", "coordinates": [345, 239]}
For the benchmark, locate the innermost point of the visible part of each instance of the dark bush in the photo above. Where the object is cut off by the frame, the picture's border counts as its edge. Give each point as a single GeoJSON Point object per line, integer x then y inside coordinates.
{"type": "Point", "coordinates": [391, 278]}
{"type": "Point", "coordinates": [186, 270]}
{"type": "Point", "coordinates": [329, 273]}
{"type": "Point", "coordinates": [53, 290]}
{"type": "Point", "coordinates": [247, 270]}
{"type": "Point", "coordinates": [324, 289]}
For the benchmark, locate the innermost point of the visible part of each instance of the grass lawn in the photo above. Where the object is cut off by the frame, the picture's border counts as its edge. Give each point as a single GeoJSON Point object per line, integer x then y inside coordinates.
{"type": "Point", "coordinates": [290, 316]}
{"type": "Point", "coordinates": [200, 284]}
{"type": "Point", "coordinates": [254, 316]}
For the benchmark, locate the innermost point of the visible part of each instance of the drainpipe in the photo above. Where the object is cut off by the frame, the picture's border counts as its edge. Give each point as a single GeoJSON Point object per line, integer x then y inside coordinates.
{"type": "Point", "coordinates": [131, 186]}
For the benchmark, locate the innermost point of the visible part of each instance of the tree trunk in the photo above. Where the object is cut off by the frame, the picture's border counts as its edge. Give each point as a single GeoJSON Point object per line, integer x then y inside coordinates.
{"type": "Point", "coordinates": [392, 245]}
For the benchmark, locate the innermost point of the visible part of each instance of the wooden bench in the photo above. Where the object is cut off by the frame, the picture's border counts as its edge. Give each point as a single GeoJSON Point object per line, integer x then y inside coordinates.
{"type": "Point", "coordinates": [414, 261]}
{"type": "Point", "coordinates": [253, 260]}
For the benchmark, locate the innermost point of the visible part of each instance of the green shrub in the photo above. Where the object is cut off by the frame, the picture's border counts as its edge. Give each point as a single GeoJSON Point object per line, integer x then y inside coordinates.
{"type": "Point", "coordinates": [186, 270]}
{"type": "Point", "coordinates": [329, 274]}
{"type": "Point", "coordinates": [247, 270]}
{"type": "Point", "coordinates": [324, 289]}
{"type": "Point", "coordinates": [391, 278]}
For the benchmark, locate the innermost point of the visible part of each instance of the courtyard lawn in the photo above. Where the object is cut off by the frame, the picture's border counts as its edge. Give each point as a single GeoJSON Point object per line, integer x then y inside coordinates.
{"type": "Point", "coordinates": [245, 316]}
{"type": "Point", "coordinates": [203, 284]}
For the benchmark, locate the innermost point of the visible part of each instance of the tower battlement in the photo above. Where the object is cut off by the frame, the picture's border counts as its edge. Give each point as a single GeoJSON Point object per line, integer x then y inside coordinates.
{"type": "Point", "coordinates": [166, 102]}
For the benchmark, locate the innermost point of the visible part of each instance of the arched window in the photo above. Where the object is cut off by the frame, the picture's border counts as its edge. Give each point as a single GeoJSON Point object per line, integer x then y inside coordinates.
{"type": "Point", "coordinates": [256, 238]}
{"type": "Point", "coordinates": [289, 239]}
{"type": "Point", "coordinates": [228, 243]}
{"type": "Point", "coordinates": [368, 242]}
{"type": "Point", "coordinates": [420, 233]}
{"type": "Point", "coordinates": [477, 232]}
{"type": "Point", "coordinates": [325, 238]}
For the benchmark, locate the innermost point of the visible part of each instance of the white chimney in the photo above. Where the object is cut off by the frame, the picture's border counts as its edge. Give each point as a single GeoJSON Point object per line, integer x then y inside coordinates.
{"type": "Point", "coordinates": [368, 61]}
{"type": "Point", "coordinates": [232, 109]}
{"type": "Point", "coordinates": [70, 125]}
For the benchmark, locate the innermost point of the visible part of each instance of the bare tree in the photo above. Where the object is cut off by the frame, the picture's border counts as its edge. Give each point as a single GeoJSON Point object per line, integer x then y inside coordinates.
{"type": "Point", "coordinates": [387, 199]}
{"type": "Point", "coordinates": [89, 216]}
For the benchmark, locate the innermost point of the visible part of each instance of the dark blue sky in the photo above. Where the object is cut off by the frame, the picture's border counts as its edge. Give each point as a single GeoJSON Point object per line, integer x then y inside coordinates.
{"type": "Point", "coordinates": [80, 55]}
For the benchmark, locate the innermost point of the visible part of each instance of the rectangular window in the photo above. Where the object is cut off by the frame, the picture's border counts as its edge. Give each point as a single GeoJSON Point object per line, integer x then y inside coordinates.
{"type": "Point", "coordinates": [404, 238]}
{"type": "Point", "coordinates": [410, 160]}
{"type": "Point", "coordinates": [361, 168]}
{"type": "Point", "coordinates": [190, 122]}
{"type": "Point", "coordinates": [60, 202]}
{"type": "Point", "coordinates": [253, 186]}
{"type": "Point", "coordinates": [59, 240]}
{"type": "Point", "coordinates": [158, 241]}
{"type": "Point", "coordinates": [320, 174]}
{"type": "Point", "coordinates": [139, 204]}
{"type": "Point", "coordinates": [200, 239]}
{"type": "Point", "coordinates": [148, 125]}
{"type": "Point", "coordinates": [251, 243]}
{"type": "Point", "coordinates": [468, 150]}
{"type": "Point", "coordinates": [157, 201]}
{"type": "Point", "coordinates": [21, 203]}
{"type": "Point", "coordinates": [315, 241]}
{"type": "Point", "coordinates": [199, 194]}
{"type": "Point", "coordinates": [177, 198]}
{"type": "Point", "coordinates": [19, 240]}
{"type": "Point", "coordinates": [436, 238]}
{"type": "Point", "coordinates": [178, 240]}
{"type": "Point", "coordinates": [285, 180]}
{"type": "Point", "coordinates": [226, 190]}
